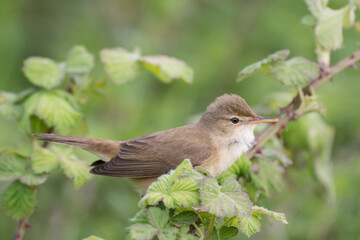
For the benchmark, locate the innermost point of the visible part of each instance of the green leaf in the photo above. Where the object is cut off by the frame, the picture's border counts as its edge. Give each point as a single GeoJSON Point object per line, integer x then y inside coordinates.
{"type": "Point", "coordinates": [277, 216]}
{"type": "Point", "coordinates": [140, 217]}
{"type": "Point", "coordinates": [316, 7]}
{"type": "Point", "coordinates": [296, 71]}
{"type": "Point", "coordinates": [226, 200]}
{"type": "Point", "coordinates": [8, 108]}
{"type": "Point", "coordinates": [277, 155]}
{"type": "Point", "coordinates": [79, 61]}
{"type": "Point", "coordinates": [169, 233]}
{"type": "Point", "coordinates": [171, 191]}
{"type": "Point", "coordinates": [349, 16]}
{"type": "Point", "coordinates": [93, 238]}
{"type": "Point", "coordinates": [263, 64]}
{"type": "Point", "coordinates": [74, 168]}
{"type": "Point", "coordinates": [43, 72]}
{"type": "Point", "coordinates": [43, 160]}
{"type": "Point", "coordinates": [168, 68]}
{"type": "Point", "coordinates": [187, 217]}
{"type": "Point", "coordinates": [56, 108]}
{"type": "Point", "coordinates": [157, 217]}
{"type": "Point", "coordinates": [19, 200]}
{"type": "Point", "coordinates": [30, 178]}
{"type": "Point", "coordinates": [120, 65]}
{"type": "Point", "coordinates": [270, 174]}
{"type": "Point", "coordinates": [328, 32]}
{"type": "Point", "coordinates": [239, 168]}
{"type": "Point", "coordinates": [141, 231]}
{"type": "Point", "coordinates": [12, 166]}
{"type": "Point", "coordinates": [227, 232]}
{"type": "Point", "coordinates": [250, 225]}
{"type": "Point", "coordinates": [183, 234]}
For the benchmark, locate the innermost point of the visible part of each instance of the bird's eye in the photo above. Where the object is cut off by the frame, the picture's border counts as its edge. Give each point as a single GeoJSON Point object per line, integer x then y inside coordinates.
{"type": "Point", "coordinates": [234, 120]}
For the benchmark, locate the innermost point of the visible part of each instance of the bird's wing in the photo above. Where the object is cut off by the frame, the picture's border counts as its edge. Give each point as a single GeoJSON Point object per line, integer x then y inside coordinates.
{"type": "Point", "coordinates": [155, 154]}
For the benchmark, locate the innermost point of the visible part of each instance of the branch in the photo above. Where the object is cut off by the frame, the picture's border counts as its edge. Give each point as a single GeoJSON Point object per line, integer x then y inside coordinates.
{"type": "Point", "coordinates": [290, 111]}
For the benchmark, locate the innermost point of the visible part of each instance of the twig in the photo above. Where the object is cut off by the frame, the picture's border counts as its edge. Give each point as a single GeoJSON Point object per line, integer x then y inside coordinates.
{"type": "Point", "coordinates": [21, 228]}
{"type": "Point", "coordinates": [289, 112]}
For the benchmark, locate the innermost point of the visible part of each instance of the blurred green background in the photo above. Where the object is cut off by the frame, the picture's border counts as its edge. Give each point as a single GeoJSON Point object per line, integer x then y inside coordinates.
{"type": "Point", "coordinates": [217, 39]}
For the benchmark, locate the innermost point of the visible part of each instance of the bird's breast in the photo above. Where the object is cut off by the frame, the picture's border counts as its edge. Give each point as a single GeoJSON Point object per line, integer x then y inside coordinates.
{"type": "Point", "coordinates": [232, 148]}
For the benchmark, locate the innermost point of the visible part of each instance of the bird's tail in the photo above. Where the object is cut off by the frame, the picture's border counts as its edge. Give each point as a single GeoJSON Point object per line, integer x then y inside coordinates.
{"type": "Point", "coordinates": [104, 149]}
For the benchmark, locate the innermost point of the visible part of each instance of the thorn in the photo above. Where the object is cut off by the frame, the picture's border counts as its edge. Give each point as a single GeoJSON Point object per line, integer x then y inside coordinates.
{"type": "Point", "coordinates": [27, 226]}
{"type": "Point", "coordinates": [259, 150]}
{"type": "Point", "coordinates": [352, 64]}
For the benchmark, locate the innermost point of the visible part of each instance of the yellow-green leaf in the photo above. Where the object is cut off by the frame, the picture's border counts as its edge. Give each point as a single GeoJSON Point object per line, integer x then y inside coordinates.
{"type": "Point", "coordinates": [168, 68]}
{"type": "Point", "coordinates": [19, 200]}
{"type": "Point", "coordinates": [120, 65]}
{"type": "Point", "coordinates": [79, 61]}
{"type": "Point", "coordinates": [43, 160]}
{"type": "Point", "coordinates": [43, 72]}
{"type": "Point", "coordinates": [263, 64]}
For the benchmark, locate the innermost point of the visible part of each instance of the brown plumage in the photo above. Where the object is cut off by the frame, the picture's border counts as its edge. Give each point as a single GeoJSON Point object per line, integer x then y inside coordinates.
{"type": "Point", "coordinates": [213, 143]}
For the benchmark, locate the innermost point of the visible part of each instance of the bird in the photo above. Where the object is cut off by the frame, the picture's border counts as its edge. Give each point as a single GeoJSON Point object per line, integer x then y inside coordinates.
{"type": "Point", "coordinates": [224, 132]}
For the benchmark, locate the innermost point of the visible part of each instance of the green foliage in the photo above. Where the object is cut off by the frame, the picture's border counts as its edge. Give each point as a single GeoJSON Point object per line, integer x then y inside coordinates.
{"type": "Point", "coordinates": [216, 211]}
{"type": "Point", "coordinates": [122, 66]}
{"type": "Point", "coordinates": [167, 68]}
{"type": "Point", "coordinates": [43, 160]}
{"type": "Point", "coordinates": [226, 200]}
{"type": "Point", "coordinates": [263, 64]}
{"type": "Point", "coordinates": [293, 72]}
{"type": "Point", "coordinates": [43, 72]}
{"type": "Point", "coordinates": [19, 200]}
{"type": "Point", "coordinates": [296, 71]}
{"type": "Point", "coordinates": [93, 238]}
{"type": "Point", "coordinates": [79, 61]}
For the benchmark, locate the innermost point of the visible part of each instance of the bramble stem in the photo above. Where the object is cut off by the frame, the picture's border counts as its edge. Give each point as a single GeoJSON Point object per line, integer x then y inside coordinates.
{"type": "Point", "coordinates": [21, 228]}
{"type": "Point", "coordinates": [289, 112]}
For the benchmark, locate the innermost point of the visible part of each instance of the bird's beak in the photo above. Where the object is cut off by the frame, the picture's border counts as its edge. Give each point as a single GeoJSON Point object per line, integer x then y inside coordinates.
{"type": "Point", "coordinates": [261, 119]}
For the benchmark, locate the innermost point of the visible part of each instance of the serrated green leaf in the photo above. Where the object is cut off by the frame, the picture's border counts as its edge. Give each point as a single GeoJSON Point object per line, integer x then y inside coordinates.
{"type": "Point", "coordinates": [296, 71]}
{"type": "Point", "coordinates": [43, 72]}
{"type": "Point", "coordinates": [277, 216]}
{"type": "Point", "coordinates": [316, 6]}
{"type": "Point", "coordinates": [74, 168]}
{"type": "Point", "coordinates": [141, 231]}
{"type": "Point", "coordinates": [349, 16]}
{"type": "Point", "coordinates": [239, 168]}
{"type": "Point", "coordinates": [93, 238]}
{"type": "Point", "coordinates": [12, 166]}
{"type": "Point", "coordinates": [171, 191]}
{"type": "Point", "coordinates": [43, 160]}
{"type": "Point", "coordinates": [250, 225]}
{"type": "Point", "coordinates": [157, 217]}
{"type": "Point", "coordinates": [227, 232]}
{"type": "Point", "coordinates": [251, 69]}
{"type": "Point", "coordinates": [182, 192]}
{"type": "Point", "coordinates": [79, 61]}
{"type": "Point", "coordinates": [120, 65]}
{"type": "Point", "coordinates": [140, 217]}
{"type": "Point", "coordinates": [187, 217]}
{"type": "Point", "coordinates": [328, 31]}
{"type": "Point", "coordinates": [168, 68]}
{"type": "Point", "coordinates": [30, 178]}
{"type": "Point", "coordinates": [54, 108]}
{"type": "Point", "coordinates": [226, 200]}
{"type": "Point", "coordinates": [19, 200]}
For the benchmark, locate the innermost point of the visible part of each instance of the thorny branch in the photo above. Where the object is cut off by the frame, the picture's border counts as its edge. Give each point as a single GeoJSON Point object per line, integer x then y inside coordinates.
{"type": "Point", "coordinates": [290, 112]}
